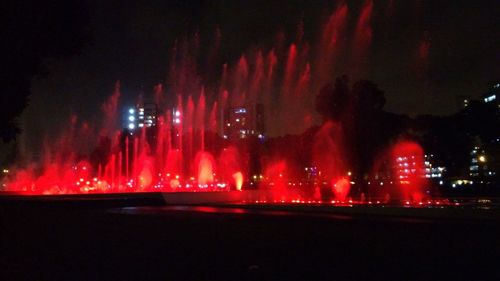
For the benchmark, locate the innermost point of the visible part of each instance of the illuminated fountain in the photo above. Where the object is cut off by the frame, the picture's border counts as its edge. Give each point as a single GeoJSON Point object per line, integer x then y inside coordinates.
{"type": "Point", "coordinates": [186, 144]}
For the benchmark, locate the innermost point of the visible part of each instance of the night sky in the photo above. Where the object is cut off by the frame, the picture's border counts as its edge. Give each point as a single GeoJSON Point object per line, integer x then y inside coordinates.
{"type": "Point", "coordinates": [424, 54]}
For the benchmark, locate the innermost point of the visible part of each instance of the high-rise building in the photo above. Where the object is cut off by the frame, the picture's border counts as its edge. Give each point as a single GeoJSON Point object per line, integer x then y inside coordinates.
{"type": "Point", "coordinates": [431, 170]}
{"type": "Point", "coordinates": [245, 121]}
{"type": "Point", "coordinates": [479, 163]}
{"type": "Point", "coordinates": [141, 115]}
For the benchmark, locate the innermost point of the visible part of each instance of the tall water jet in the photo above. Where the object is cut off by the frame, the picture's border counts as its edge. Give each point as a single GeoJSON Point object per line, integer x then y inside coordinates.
{"type": "Point", "coordinates": [276, 176]}
{"type": "Point", "coordinates": [238, 180]}
{"type": "Point", "coordinates": [362, 37]}
{"type": "Point", "coordinates": [205, 168]}
{"type": "Point", "coordinates": [329, 45]}
{"type": "Point", "coordinates": [328, 158]}
{"type": "Point", "coordinates": [188, 134]}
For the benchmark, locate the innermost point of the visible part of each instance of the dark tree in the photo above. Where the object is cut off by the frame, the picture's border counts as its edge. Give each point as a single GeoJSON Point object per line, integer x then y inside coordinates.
{"type": "Point", "coordinates": [34, 31]}
{"type": "Point", "coordinates": [332, 100]}
{"type": "Point", "coordinates": [367, 97]}
{"type": "Point", "coordinates": [367, 129]}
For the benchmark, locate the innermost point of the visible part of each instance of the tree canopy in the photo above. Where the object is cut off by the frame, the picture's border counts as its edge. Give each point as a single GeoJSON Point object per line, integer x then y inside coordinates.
{"type": "Point", "coordinates": [366, 128]}
{"type": "Point", "coordinates": [34, 32]}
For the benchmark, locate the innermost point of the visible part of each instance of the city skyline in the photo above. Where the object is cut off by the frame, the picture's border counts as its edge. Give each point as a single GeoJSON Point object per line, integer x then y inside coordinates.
{"type": "Point", "coordinates": [133, 44]}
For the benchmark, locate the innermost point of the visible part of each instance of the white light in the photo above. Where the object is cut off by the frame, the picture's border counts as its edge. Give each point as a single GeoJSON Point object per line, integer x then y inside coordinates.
{"type": "Point", "coordinates": [177, 120]}
{"type": "Point", "coordinates": [141, 125]}
{"type": "Point", "coordinates": [490, 98]}
{"type": "Point", "coordinates": [131, 111]}
{"type": "Point", "coordinates": [177, 113]}
{"type": "Point", "coordinates": [131, 126]}
{"type": "Point", "coordinates": [131, 118]}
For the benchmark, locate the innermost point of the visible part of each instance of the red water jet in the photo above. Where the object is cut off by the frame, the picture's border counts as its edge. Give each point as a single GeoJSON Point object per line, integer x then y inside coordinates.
{"type": "Point", "coordinates": [238, 180]}
{"type": "Point", "coordinates": [205, 168]}
{"type": "Point", "coordinates": [363, 35]}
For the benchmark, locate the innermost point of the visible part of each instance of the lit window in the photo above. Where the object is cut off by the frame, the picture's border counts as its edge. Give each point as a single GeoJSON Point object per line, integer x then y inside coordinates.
{"type": "Point", "coordinates": [490, 98]}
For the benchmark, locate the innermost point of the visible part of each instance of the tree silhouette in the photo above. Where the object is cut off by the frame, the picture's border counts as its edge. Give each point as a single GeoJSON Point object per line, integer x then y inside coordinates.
{"type": "Point", "coordinates": [367, 129]}
{"type": "Point", "coordinates": [34, 32]}
{"type": "Point", "coordinates": [332, 100]}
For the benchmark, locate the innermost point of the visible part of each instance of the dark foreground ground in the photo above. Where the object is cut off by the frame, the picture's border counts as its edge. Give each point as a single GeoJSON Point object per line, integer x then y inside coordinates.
{"type": "Point", "coordinates": [108, 240]}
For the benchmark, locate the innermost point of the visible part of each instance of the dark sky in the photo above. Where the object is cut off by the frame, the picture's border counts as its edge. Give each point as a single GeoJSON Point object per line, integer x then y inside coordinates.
{"type": "Point", "coordinates": [424, 54]}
